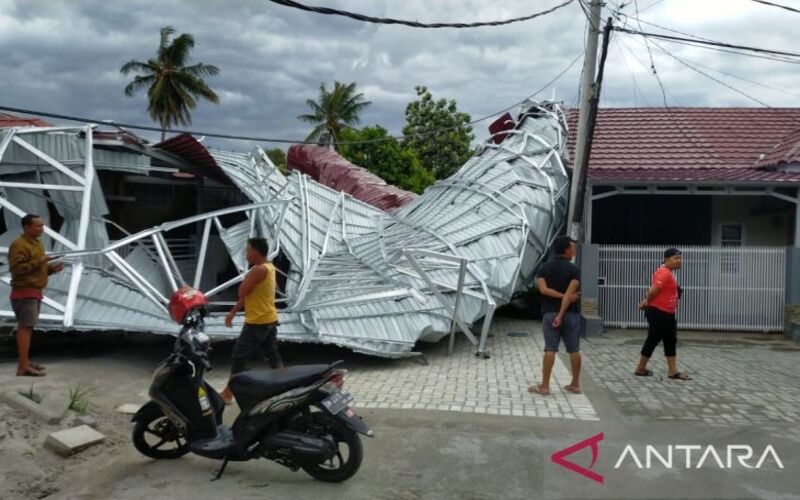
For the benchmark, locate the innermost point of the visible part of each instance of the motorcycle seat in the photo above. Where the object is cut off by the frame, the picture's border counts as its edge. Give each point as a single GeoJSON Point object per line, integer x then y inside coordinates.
{"type": "Point", "coordinates": [251, 387]}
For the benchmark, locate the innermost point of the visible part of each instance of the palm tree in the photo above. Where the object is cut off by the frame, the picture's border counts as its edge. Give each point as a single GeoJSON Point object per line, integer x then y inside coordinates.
{"type": "Point", "coordinates": [172, 87]}
{"type": "Point", "coordinates": [333, 112]}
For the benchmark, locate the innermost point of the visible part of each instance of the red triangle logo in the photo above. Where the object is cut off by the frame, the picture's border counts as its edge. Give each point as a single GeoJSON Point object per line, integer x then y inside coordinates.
{"type": "Point", "coordinates": [559, 457]}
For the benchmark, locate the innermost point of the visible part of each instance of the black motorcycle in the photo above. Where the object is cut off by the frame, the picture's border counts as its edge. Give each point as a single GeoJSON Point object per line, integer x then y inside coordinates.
{"type": "Point", "coordinates": [300, 417]}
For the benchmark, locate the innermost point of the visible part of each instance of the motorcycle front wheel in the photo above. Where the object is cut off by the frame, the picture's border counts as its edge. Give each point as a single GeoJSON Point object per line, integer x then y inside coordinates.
{"type": "Point", "coordinates": [155, 436]}
{"type": "Point", "coordinates": [349, 454]}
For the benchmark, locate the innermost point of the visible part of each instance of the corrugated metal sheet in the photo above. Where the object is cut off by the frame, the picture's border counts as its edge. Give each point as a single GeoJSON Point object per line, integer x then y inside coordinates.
{"type": "Point", "coordinates": [500, 210]}
{"type": "Point", "coordinates": [350, 282]}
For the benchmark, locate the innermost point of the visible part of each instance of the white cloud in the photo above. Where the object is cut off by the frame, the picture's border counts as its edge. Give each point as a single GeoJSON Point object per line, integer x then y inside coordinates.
{"type": "Point", "coordinates": [64, 56]}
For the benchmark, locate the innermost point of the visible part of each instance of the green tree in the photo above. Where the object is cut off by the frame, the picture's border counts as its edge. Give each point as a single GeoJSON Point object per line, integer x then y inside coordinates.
{"type": "Point", "coordinates": [278, 157]}
{"type": "Point", "coordinates": [173, 88]}
{"type": "Point", "coordinates": [442, 153]}
{"type": "Point", "coordinates": [385, 158]}
{"type": "Point", "coordinates": [334, 111]}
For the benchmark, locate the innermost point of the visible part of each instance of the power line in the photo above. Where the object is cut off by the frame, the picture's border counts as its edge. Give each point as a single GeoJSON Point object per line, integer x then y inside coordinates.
{"type": "Point", "coordinates": [687, 65]}
{"type": "Point", "coordinates": [739, 53]}
{"type": "Point", "coordinates": [753, 82]}
{"type": "Point", "coordinates": [786, 7]}
{"type": "Point", "coordinates": [698, 38]}
{"type": "Point", "coordinates": [413, 24]}
{"type": "Point", "coordinates": [702, 41]}
{"type": "Point", "coordinates": [281, 140]}
{"type": "Point", "coordinates": [670, 113]}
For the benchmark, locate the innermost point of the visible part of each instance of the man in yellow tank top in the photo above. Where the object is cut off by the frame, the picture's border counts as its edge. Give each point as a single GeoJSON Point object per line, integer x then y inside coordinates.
{"type": "Point", "coordinates": [257, 297]}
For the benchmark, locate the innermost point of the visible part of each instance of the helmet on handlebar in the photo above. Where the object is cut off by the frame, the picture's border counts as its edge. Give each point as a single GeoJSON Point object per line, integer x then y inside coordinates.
{"type": "Point", "coordinates": [184, 300]}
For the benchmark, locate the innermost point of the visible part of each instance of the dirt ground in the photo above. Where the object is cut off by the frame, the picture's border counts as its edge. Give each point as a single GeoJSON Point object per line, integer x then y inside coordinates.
{"type": "Point", "coordinates": [415, 454]}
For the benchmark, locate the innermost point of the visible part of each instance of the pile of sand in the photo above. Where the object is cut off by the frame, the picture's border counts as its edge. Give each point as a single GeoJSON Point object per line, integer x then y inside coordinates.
{"type": "Point", "coordinates": [29, 470]}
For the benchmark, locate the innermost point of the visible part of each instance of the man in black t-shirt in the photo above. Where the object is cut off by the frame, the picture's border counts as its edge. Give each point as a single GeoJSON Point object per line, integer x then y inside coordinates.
{"type": "Point", "coordinates": [558, 283]}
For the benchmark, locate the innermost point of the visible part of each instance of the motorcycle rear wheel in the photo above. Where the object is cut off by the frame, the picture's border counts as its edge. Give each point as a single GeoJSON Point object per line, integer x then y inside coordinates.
{"type": "Point", "coordinates": [162, 432]}
{"type": "Point", "coordinates": [339, 468]}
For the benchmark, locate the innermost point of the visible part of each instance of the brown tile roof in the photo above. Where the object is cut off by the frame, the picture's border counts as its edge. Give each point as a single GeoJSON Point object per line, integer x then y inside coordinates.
{"type": "Point", "coordinates": [693, 144]}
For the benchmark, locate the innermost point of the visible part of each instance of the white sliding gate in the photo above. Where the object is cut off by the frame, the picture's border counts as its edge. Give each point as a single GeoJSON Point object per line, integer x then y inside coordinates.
{"type": "Point", "coordinates": [724, 288]}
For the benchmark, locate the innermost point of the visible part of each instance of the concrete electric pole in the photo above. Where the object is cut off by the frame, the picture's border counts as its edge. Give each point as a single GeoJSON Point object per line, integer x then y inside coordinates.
{"type": "Point", "coordinates": [590, 97]}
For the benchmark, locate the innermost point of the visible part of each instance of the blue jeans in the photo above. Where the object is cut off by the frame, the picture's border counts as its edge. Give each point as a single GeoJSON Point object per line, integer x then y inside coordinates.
{"type": "Point", "coordinates": [569, 332]}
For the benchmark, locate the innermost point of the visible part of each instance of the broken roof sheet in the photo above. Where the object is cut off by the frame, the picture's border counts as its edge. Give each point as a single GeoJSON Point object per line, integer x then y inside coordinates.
{"type": "Point", "coordinates": [326, 166]}
{"type": "Point", "coordinates": [357, 276]}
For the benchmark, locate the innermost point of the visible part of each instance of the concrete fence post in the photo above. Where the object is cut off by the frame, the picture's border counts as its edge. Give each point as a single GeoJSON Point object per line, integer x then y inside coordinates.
{"type": "Point", "coordinates": [590, 291]}
{"type": "Point", "coordinates": [791, 317]}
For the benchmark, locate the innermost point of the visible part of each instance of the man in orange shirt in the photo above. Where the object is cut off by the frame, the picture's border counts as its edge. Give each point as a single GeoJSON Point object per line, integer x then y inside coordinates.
{"type": "Point", "coordinates": [659, 307]}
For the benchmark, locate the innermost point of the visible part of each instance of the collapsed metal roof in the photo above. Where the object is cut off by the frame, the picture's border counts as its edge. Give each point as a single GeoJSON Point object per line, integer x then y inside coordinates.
{"type": "Point", "coordinates": [355, 276]}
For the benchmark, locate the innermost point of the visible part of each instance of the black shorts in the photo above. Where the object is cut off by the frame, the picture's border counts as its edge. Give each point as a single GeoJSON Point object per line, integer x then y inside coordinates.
{"type": "Point", "coordinates": [256, 342]}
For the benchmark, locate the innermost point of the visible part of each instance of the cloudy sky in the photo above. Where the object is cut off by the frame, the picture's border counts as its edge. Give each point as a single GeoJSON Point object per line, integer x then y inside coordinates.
{"type": "Point", "coordinates": [64, 56]}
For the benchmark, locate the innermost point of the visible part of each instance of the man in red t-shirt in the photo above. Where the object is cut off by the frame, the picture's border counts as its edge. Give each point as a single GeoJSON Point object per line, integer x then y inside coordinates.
{"type": "Point", "coordinates": [659, 307]}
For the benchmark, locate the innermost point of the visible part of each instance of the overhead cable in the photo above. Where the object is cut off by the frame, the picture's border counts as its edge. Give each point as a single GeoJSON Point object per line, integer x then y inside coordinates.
{"type": "Point", "coordinates": [771, 4]}
{"type": "Point", "coordinates": [413, 24]}
{"type": "Point", "coordinates": [703, 41]}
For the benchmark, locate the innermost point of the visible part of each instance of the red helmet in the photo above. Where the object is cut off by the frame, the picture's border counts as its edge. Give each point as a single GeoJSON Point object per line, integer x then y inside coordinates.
{"type": "Point", "coordinates": [184, 300]}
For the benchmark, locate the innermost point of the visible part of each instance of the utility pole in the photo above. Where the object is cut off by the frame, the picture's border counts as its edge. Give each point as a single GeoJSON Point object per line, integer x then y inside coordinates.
{"type": "Point", "coordinates": [590, 98]}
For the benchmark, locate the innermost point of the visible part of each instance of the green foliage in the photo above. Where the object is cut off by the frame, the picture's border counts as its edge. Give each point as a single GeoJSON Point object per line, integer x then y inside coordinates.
{"type": "Point", "coordinates": [173, 88]}
{"type": "Point", "coordinates": [278, 157]}
{"type": "Point", "coordinates": [387, 158]}
{"type": "Point", "coordinates": [334, 111]}
{"type": "Point", "coordinates": [445, 152]}
{"type": "Point", "coordinates": [80, 399]}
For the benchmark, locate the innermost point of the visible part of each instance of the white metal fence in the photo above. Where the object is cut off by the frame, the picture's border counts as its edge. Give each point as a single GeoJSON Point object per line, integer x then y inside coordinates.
{"type": "Point", "coordinates": [724, 288]}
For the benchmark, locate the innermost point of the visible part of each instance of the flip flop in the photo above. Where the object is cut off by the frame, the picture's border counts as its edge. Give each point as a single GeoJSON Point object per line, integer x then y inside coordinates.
{"type": "Point", "coordinates": [31, 372]}
{"type": "Point", "coordinates": [679, 376]}
{"type": "Point", "coordinates": [646, 373]}
{"type": "Point", "coordinates": [535, 389]}
{"type": "Point", "coordinates": [571, 389]}
{"type": "Point", "coordinates": [37, 366]}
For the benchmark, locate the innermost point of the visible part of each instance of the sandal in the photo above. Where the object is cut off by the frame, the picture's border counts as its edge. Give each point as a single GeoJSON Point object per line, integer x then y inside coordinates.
{"type": "Point", "coordinates": [31, 372]}
{"type": "Point", "coordinates": [572, 389]}
{"type": "Point", "coordinates": [37, 366]}
{"type": "Point", "coordinates": [680, 376]}
{"type": "Point", "coordinates": [646, 373]}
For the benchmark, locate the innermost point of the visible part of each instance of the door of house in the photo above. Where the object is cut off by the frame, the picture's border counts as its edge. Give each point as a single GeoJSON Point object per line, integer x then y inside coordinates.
{"type": "Point", "coordinates": [728, 288]}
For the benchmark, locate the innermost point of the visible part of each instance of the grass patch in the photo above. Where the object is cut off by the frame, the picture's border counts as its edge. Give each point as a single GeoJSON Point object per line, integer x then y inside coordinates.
{"type": "Point", "coordinates": [31, 394]}
{"type": "Point", "coordinates": [80, 399]}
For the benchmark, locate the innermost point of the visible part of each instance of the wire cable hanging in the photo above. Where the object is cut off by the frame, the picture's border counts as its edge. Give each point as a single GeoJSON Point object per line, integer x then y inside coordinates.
{"type": "Point", "coordinates": [771, 4]}
{"type": "Point", "coordinates": [413, 24]}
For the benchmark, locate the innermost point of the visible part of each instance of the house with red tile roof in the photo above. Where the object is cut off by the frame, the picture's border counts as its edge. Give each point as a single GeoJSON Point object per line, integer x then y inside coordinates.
{"type": "Point", "coordinates": [8, 120]}
{"type": "Point", "coordinates": [685, 176]}
{"type": "Point", "coordinates": [721, 183]}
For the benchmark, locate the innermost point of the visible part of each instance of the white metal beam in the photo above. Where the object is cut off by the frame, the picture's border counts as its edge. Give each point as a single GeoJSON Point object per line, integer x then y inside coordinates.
{"type": "Point", "coordinates": [83, 228]}
{"type": "Point", "coordinates": [35, 185]}
{"type": "Point", "coordinates": [164, 262]}
{"type": "Point", "coordinates": [52, 162]}
{"type": "Point", "coordinates": [7, 137]}
{"type": "Point", "coordinates": [47, 230]}
{"type": "Point", "coordinates": [201, 257]}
